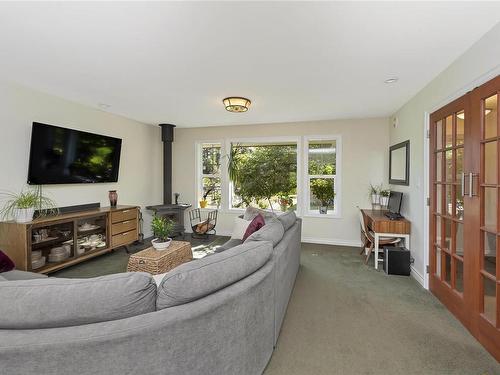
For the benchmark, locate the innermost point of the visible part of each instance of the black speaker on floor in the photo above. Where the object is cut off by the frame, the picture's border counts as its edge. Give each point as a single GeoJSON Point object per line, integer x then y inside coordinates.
{"type": "Point", "coordinates": [396, 261]}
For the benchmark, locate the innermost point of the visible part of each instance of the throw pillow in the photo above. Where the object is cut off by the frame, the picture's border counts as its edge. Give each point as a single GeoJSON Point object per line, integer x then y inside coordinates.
{"type": "Point", "coordinates": [239, 228]}
{"type": "Point", "coordinates": [273, 231]}
{"type": "Point", "coordinates": [288, 219]}
{"type": "Point", "coordinates": [257, 223]}
{"type": "Point", "coordinates": [6, 264]}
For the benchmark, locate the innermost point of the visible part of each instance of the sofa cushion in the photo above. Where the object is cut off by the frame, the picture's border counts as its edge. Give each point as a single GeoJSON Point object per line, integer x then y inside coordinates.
{"type": "Point", "coordinates": [53, 302]}
{"type": "Point", "coordinates": [273, 231]}
{"type": "Point", "coordinates": [251, 212]}
{"type": "Point", "coordinates": [239, 228]}
{"type": "Point", "coordinates": [257, 223]}
{"type": "Point", "coordinates": [288, 219]}
{"type": "Point", "coordinates": [16, 275]}
{"type": "Point", "coordinates": [232, 242]}
{"type": "Point", "coordinates": [199, 278]}
{"type": "Point", "coordinates": [2, 278]}
{"type": "Point", "coordinates": [6, 264]}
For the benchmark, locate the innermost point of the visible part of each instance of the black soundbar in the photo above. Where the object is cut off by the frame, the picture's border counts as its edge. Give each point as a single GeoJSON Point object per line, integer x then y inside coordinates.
{"type": "Point", "coordinates": [70, 209]}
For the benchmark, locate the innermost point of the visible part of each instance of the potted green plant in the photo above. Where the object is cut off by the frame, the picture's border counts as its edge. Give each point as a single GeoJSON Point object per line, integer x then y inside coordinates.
{"type": "Point", "coordinates": [162, 228]}
{"type": "Point", "coordinates": [21, 206]}
{"type": "Point", "coordinates": [204, 202]}
{"type": "Point", "coordinates": [323, 190]}
{"type": "Point", "coordinates": [384, 197]}
{"type": "Point", "coordinates": [375, 194]}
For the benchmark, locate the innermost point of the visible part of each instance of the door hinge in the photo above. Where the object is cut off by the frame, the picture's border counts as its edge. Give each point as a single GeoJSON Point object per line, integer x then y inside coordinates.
{"type": "Point", "coordinates": [428, 133]}
{"type": "Point", "coordinates": [427, 269]}
{"type": "Point", "coordinates": [428, 201]}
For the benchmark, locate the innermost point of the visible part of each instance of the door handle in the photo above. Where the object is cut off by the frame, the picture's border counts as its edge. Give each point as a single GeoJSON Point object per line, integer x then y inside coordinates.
{"type": "Point", "coordinates": [463, 184]}
{"type": "Point", "coordinates": [471, 176]}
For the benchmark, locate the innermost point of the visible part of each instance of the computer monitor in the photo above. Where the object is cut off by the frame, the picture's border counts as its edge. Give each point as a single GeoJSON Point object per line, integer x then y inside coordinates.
{"type": "Point", "coordinates": [395, 199]}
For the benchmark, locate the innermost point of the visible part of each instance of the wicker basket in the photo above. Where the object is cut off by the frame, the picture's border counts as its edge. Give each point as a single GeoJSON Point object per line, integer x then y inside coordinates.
{"type": "Point", "coordinates": [156, 262]}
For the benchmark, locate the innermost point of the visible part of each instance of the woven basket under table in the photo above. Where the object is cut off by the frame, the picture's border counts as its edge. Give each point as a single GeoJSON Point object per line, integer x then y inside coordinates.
{"type": "Point", "coordinates": [156, 262]}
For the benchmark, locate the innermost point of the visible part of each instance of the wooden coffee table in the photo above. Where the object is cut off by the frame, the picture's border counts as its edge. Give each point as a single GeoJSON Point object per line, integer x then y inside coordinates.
{"type": "Point", "coordinates": [156, 262]}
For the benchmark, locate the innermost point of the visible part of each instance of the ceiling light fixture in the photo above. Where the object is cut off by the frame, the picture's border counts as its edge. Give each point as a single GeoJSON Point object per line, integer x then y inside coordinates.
{"type": "Point", "coordinates": [103, 105]}
{"type": "Point", "coordinates": [391, 80]}
{"type": "Point", "coordinates": [236, 104]}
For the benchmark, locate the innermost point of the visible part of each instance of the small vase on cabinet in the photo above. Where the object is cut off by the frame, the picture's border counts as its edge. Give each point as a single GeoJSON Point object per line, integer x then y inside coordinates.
{"type": "Point", "coordinates": [113, 198]}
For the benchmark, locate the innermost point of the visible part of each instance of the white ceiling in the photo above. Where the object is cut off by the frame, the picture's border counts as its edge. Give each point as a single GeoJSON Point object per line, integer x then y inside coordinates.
{"type": "Point", "coordinates": [175, 62]}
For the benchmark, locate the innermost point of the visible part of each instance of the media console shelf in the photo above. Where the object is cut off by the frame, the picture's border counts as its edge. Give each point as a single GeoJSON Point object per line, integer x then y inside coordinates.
{"type": "Point", "coordinates": [51, 243]}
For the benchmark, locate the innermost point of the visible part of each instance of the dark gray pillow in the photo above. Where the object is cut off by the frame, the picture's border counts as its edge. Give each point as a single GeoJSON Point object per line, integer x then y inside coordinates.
{"type": "Point", "coordinates": [251, 212]}
{"type": "Point", "coordinates": [201, 277]}
{"type": "Point", "coordinates": [228, 245]}
{"type": "Point", "coordinates": [54, 302]}
{"type": "Point", "coordinates": [288, 219]}
{"type": "Point", "coordinates": [273, 231]}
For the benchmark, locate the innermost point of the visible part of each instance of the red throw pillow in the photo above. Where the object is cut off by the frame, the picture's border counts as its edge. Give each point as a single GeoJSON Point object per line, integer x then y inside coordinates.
{"type": "Point", "coordinates": [257, 223]}
{"type": "Point", "coordinates": [5, 263]}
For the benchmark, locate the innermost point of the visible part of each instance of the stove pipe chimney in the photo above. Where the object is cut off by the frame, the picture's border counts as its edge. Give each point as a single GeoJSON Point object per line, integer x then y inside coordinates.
{"type": "Point", "coordinates": [167, 136]}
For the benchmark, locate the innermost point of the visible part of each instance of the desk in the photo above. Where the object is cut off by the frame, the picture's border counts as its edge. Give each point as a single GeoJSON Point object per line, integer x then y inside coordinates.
{"type": "Point", "coordinates": [382, 226]}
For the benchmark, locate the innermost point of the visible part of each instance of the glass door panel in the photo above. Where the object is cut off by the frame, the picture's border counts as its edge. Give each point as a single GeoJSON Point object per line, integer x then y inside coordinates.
{"type": "Point", "coordinates": [489, 190]}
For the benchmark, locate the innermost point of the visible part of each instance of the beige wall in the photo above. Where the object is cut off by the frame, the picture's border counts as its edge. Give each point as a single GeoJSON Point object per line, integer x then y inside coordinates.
{"type": "Point", "coordinates": [140, 177]}
{"type": "Point", "coordinates": [479, 64]}
{"type": "Point", "coordinates": [364, 161]}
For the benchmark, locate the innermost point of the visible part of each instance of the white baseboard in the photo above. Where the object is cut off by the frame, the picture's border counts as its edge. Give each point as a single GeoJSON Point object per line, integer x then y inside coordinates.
{"type": "Point", "coordinates": [331, 241]}
{"type": "Point", "coordinates": [417, 276]}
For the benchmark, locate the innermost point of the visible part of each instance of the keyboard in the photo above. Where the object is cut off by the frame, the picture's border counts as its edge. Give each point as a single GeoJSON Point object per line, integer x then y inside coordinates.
{"type": "Point", "coordinates": [393, 216]}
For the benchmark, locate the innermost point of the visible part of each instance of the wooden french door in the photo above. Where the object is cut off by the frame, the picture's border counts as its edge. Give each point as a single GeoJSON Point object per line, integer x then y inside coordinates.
{"type": "Point", "coordinates": [464, 210]}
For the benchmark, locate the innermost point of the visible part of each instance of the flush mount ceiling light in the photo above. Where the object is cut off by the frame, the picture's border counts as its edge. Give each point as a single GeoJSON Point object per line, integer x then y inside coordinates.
{"type": "Point", "coordinates": [236, 104]}
{"type": "Point", "coordinates": [391, 80]}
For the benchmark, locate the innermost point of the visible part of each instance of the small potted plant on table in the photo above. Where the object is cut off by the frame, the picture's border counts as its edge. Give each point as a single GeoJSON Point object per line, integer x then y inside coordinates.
{"type": "Point", "coordinates": [323, 190]}
{"type": "Point", "coordinates": [384, 197]}
{"type": "Point", "coordinates": [162, 228]}
{"type": "Point", "coordinates": [375, 194]}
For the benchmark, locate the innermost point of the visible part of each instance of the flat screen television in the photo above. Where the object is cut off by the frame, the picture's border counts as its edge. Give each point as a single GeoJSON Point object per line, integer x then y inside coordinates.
{"type": "Point", "coordinates": [66, 156]}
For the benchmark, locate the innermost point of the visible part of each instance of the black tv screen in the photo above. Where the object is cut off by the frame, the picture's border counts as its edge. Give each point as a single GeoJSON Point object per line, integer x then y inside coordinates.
{"type": "Point", "coordinates": [66, 156]}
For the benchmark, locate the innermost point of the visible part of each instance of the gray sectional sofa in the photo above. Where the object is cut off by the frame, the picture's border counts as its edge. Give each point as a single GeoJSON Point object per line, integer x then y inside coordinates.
{"type": "Point", "coordinates": [218, 315]}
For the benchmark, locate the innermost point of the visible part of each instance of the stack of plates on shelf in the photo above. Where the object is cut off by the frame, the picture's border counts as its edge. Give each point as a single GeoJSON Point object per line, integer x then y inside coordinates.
{"type": "Point", "coordinates": [58, 254]}
{"type": "Point", "coordinates": [37, 260]}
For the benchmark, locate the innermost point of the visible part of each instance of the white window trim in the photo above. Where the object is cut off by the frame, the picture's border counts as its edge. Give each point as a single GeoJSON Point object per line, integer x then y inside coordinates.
{"type": "Point", "coordinates": [261, 140]}
{"type": "Point", "coordinates": [199, 170]}
{"type": "Point", "coordinates": [337, 212]}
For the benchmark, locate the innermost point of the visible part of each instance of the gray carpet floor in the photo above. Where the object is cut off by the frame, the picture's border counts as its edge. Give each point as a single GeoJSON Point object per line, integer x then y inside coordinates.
{"type": "Point", "coordinates": [346, 318]}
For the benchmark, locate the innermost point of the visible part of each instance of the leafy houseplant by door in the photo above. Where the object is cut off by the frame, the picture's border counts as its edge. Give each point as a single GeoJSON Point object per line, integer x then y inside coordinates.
{"type": "Point", "coordinates": [323, 190]}
{"type": "Point", "coordinates": [21, 206]}
{"type": "Point", "coordinates": [162, 228]}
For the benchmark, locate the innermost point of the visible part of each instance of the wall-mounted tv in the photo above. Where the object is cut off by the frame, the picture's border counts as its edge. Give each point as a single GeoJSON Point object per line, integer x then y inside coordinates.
{"type": "Point", "coordinates": [66, 156]}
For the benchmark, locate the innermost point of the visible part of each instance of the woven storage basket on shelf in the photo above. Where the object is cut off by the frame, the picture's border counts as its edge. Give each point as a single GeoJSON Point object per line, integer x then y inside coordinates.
{"type": "Point", "coordinates": [156, 262]}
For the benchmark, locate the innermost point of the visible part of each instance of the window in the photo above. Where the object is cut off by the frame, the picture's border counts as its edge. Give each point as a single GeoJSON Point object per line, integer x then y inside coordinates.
{"type": "Point", "coordinates": [321, 175]}
{"type": "Point", "coordinates": [265, 172]}
{"type": "Point", "coordinates": [264, 175]}
{"type": "Point", "coordinates": [210, 175]}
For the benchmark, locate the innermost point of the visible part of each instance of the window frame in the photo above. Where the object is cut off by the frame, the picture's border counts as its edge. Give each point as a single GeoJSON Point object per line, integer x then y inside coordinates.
{"type": "Point", "coordinates": [200, 175]}
{"type": "Point", "coordinates": [303, 190]}
{"type": "Point", "coordinates": [337, 177]}
{"type": "Point", "coordinates": [228, 204]}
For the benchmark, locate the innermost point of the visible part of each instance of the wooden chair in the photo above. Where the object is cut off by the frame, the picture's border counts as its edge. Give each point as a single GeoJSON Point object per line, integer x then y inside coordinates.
{"type": "Point", "coordinates": [202, 228]}
{"type": "Point", "coordinates": [368, 238]}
